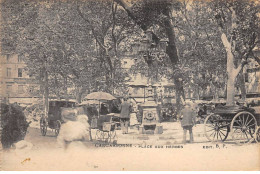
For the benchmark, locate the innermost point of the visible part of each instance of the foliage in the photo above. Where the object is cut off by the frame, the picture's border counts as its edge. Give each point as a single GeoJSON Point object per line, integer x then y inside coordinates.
{"type": "Point", "coordinates": [199, 45]}
{"type": "Point", "coordinates": [111, 27]}
{"type": "Point", "coordinates": [240, 21]}
{"type": "Point", "coordinates": [53, 37]}
{"type": "Point", "coordinates": [13, 124]}
{"type": "Point", "coordinates": [79, 45]}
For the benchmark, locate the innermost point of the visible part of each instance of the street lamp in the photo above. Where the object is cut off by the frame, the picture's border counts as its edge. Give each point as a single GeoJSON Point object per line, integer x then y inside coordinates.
{"type": "Point", "coordinates": [163, 44]}
{"type": "Point", "coordinates": [145, 45]}
{"type": "Point", "coordinates": [136, 46]}
{"type": "Point", "coordinates": [154, 49]}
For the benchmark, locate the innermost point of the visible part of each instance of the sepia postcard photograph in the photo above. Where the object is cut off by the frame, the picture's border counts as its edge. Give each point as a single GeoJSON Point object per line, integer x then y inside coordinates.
{"type": "Point", "coordinates": [129, 85]}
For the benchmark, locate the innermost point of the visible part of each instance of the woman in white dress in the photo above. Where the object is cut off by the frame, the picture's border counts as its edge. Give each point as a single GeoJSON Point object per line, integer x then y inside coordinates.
{"type": "Point", "coordinates": [133, 118]}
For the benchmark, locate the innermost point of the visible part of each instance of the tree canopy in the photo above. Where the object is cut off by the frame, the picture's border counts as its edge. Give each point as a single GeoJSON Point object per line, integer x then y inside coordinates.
{"type": "Point", "coordinates": [74, 47]}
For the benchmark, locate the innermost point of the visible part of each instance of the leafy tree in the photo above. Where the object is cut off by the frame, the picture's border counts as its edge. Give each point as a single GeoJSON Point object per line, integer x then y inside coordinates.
{"type": "Point", "coordinates": [64, 50]}
{"type": "Point", "coordinates": [109, 26]}
{"type": "Point", "coordinates": [239, 29]}
{"type": "Point", "coordinates": [13, 124]}
{"type": "Point", "coordinates": [200, 48]}
{"type": "Point", "coordinates": [46, 51]}
{"type": "Point", "coordinates": [148, 13]}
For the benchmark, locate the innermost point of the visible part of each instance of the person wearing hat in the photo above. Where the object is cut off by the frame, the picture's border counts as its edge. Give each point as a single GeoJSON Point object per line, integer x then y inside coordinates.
{"type": "Point", "coordinates": [125, 115]}
{"type": "Point", "coordinates": [188, 120]}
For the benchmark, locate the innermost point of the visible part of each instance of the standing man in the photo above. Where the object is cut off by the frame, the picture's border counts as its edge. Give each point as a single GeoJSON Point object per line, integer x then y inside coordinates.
{"type": "Point", "coordinates": [125, 115]}
{"type": "Point", "coordinates": [188, 120]}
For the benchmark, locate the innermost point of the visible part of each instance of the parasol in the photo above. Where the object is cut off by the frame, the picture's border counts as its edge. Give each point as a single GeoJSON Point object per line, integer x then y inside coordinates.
{"type": "Point", "coordinates": [90, 102]}
{"type": "Point", "coordinates": [100, 96]}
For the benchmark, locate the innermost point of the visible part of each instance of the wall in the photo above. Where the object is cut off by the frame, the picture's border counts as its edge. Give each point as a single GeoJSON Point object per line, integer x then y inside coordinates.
{"type": "Point", "coordinates": [16, 84]}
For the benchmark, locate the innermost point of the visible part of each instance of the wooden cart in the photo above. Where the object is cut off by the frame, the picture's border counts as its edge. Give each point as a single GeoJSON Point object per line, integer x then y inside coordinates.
{"type": "Point", "coordinates": [239, 121]}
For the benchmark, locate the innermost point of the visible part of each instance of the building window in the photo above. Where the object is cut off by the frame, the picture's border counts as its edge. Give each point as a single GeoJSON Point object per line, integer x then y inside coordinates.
{"type": "Point", "coordinates": [32, 88]}
{"type": "Point", "coordinates": [20, 58]}
{"type": "Point", "coordinates": [246, 78]}
{"type": "Point", "coordinates": [8, 89]}
{"type": "Point", "coordinates": [20, 89]}
{"type": "Point", "coordinates": [20, 72]}
{"type": "Point", "coordinates": [8, 72]}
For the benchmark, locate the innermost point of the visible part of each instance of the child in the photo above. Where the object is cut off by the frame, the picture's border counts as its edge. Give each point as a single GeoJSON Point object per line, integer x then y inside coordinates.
{"type": "Point", "coordinates": [188, 120]}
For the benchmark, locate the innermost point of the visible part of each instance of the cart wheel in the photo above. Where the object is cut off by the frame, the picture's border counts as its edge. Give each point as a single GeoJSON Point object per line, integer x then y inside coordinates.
{"type": "Point", "coordinates": [98, 135]}
{"type": "Point", "coordinates": [57, 127]}
{"type": "Point", "coordinates": [243, 127]}
{"type": "Point", "coordinates": [105, 136]}
{"type": "Point", "coordinates": [43, 126]}
{"type": "Point", "coordinates": [112, 136]}
{"type": "Point", "coordinates": [257, 135]}
{"type": "Point", "coordinates": [215, 128]}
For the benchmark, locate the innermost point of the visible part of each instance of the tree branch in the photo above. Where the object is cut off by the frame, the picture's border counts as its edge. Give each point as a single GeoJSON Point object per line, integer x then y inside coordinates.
{"type": "Point", "coordinates": [92, 29]}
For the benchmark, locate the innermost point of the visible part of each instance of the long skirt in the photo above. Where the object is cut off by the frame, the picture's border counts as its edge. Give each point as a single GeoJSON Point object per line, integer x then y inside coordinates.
{"type": "Point", "coordinates": [133, 119]}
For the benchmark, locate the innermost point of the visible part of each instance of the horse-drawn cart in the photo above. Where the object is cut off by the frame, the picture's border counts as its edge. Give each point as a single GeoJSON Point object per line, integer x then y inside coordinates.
{"type": "Point", "coordinates": [239, 121]}
{"type": "Point", "coordinates": [54, 119]}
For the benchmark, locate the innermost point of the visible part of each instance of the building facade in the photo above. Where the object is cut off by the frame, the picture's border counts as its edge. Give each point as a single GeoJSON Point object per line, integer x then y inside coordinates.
{"type": "Point", "coordinates": [16, 84]}
{"type": "Point", "coordinates": [252, 76]}
{"type": "Point", "coordinates": [138, 84]}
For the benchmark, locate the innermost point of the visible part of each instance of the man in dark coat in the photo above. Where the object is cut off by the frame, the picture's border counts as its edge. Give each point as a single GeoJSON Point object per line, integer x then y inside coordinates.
{"type": "Point", "coordinates": [125, 115]}
{"type": "Point", "coordinates": [188, 120]}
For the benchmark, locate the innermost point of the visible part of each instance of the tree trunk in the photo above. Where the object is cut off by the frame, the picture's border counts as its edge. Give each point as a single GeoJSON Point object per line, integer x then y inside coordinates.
{"type": "Point", "coordinates": [107, 61]}
{"type": "Point", "coordinates": [79, 92]}
{"type": "Point", "coordinates": [46, 93]}
{"type": "Point", "coordinates": [172, 53]}
{"type": "Point", "coordinates": [57, 91]}
{"type": "Point", "coordinates": [230, 90]}
{"type": "Point", "coordinates": [231, 70]}
{"type": "Point", "coordinates": [229, 45]}
{"type": "Point", "coordinates": [78, 95]}
{"type": "Point", "coordinates": [241, 84]}
{"type": "Point", "coordinates": [66, 88]}
{"type": "Point", "coordinates": [171, 49]}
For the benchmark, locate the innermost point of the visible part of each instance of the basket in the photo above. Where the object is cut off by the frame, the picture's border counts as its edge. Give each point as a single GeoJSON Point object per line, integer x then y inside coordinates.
{"type": "Point", "coordinates": [107, 126]}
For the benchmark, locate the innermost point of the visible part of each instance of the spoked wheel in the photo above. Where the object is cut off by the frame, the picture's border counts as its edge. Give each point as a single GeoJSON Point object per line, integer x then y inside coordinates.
{"type": "Point", "coordinates": [43, 126]}
{"type": "Point", "coordinates": [215, 128]}
{"type": "Point", "coordinates": [57, 127]}
{"type": "Point", "coordinates": [257, 135]}
{"type": "Point", "coordinates": [98, 135]}
{"type": "Point", "coordinates": [105, 136]}
{"type": "Point", "coordinates": [112, 137]}
{"type": "Point", "coordinates": [243, 127]}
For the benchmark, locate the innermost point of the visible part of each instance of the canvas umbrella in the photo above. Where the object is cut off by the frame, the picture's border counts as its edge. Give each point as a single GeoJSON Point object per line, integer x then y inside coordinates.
{"type": "Point", "coordinates": [100, 96]}
{"type": "Point", "coordinates": [90, 102]}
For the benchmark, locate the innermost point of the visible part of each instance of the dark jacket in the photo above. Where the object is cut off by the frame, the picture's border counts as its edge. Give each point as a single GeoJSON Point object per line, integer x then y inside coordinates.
{"type": "Point", "coordinates": [103, 110]}
{"type": "Point", "coordinates": [188, 117]}
{"type": "Point", "coordinates": [125, 110]}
